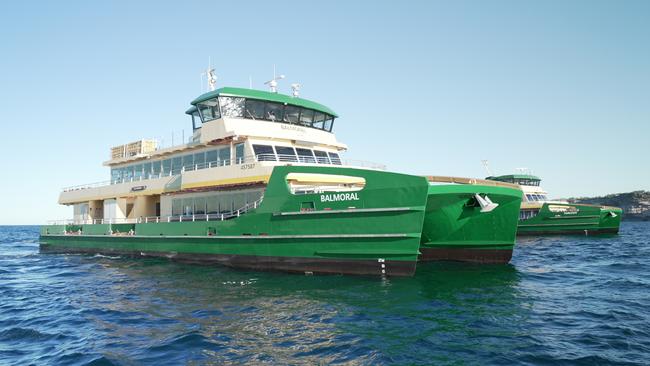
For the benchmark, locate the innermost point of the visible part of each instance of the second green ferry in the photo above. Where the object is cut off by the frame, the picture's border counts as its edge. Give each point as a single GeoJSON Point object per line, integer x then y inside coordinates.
{"type": "Point", "coordinates": [540, 216]}
{"type": "Point", "coordinates": [262, 185]}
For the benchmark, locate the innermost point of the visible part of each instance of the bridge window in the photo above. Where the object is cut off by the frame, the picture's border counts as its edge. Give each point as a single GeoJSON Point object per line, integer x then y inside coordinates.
{"type": "Point", "coordinates": [286, 153]}
{"type": "Point", "coordinates": [274, 112]}
{"type": "Point", "coordinates": [291, 114]}
{"type": "Point", "coordinates": [208, 109]}
{"type": "Point", "coordinates": [306, 117]}
{"type": "Point", "coordinates": [232, 106]}
{"type": "Point", "coordinates": [254, 109]}
{"type": "Point", "coordinates": [328, 124]}
{"type": "Point", "coordinates": [319, 120]}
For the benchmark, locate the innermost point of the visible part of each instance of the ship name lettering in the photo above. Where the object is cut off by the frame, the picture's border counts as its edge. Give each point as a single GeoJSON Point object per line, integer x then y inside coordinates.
{"type": "Point", "coordinates": [336, 197]}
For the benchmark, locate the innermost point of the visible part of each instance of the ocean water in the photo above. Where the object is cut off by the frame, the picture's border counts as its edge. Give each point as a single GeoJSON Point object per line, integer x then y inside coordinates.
{"type": "Point", "coordinates": [562, 300]}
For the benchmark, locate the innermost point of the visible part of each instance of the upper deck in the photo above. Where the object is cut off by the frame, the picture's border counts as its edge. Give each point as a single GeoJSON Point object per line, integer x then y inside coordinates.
{"type": "Point", "coordinates": [529, 184]}
{"type": "Point", "coordinates": [239, 135]}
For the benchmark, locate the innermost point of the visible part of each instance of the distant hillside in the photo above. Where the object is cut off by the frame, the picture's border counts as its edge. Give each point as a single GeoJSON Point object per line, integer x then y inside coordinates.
{"type": "Point", "coordinates": [635, 205]}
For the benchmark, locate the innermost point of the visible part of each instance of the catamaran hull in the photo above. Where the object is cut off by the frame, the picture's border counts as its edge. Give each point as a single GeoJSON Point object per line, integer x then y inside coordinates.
{"type": "Point", "coordinates": [376, 231]}
{"type": "Point", "coordinates": [315, 265]}
{"type": "Point", "coordinates": [572, 219]}
{"type": "Point", "coordinates": [455, 228]}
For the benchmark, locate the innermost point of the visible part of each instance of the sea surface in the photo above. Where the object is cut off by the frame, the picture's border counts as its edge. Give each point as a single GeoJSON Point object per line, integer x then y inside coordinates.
{"type": "Point", "coordinates": [562, 300]}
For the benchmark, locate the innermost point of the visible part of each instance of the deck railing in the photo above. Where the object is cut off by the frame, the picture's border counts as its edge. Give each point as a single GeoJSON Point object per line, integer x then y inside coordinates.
{"type": "Point", "coordinates": [241, 160]}
{"type": "Point", "coordinates": [157, 219]}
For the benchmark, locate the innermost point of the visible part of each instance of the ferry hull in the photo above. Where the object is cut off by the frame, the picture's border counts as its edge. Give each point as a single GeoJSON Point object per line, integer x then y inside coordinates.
{"type": "Point", "coordinates": [567, 219]}
{"type": "Point", "coordinates": [132, 247]}
{"type": "Point", "coordinates": [455, 229]}
{"type": "Point", "coordinates": [374, 232]}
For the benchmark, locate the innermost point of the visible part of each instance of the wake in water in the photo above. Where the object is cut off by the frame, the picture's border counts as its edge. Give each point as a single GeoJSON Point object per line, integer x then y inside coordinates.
{"type": "Point", "coordinates": [106, 256]}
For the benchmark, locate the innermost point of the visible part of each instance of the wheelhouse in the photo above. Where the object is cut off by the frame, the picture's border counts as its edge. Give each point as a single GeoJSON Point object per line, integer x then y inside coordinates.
{"type": "Point", "coordinates": [262, 106]}
{"type": "Point", "coordinates": [520, 179]}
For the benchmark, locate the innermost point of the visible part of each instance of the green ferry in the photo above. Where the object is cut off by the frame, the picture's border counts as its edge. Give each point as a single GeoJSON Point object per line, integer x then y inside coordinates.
{"type": "Point", "coordinates": [261, 185]}
{"type": "Point", "coordinates": [540, 216]}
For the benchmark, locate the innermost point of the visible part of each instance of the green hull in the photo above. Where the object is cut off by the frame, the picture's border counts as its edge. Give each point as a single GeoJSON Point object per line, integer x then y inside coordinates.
{"type": "Point", "coordinates": [577, 219]}
{"type": "Point", "coordinates": [456, 229]}
{"type": "Point", "coordinates": [378, 233]}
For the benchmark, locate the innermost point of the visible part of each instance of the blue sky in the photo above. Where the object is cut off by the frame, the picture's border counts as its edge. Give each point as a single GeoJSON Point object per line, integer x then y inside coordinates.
{"type": "Point", "coordinates": [560, 87]}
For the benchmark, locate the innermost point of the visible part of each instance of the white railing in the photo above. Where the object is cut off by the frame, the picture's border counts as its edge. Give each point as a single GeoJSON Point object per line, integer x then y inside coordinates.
{"type": "Point", "coordinates": [300, 159]}
{"type": "Point", "coordinates": [158, 219]}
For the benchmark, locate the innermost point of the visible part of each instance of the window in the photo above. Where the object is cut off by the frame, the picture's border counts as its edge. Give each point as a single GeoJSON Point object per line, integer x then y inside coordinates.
{"type": "Point", "coordinates": [232, 107]}
{"type": "Point", "coordinates": [291, 114]}
{"type": "Point", "coordinates": [115, 175]}
{"type": "Point", "coordinates": [335, 159]}
{"type": "Point", "coordinates": [177, 164]}
{"type": "Point", "coordinates": [274, 112]}
{"type": "Point", "coordinates": [286, 153]}
{"type": "Point", "coordinates": [188, 206]}
{"type": "Point", "coordinates": [211, 158]}
{"type": "Point", "coordinates": [321, 157]}
{"type": "Point", "coordinates": [224, 156]}
{"type": "Point", "coordinates": [177, 207]}
{"type": "Point", "coordinates": [306, 117]}
{"type": "Point", "coordinates": [212, 205]}
{"type": "Point", "coordinates": [239, 153]}
{"type": "Point", "coordinates": [319, 120]}
{"type": "Point", "coordinates": [137, 172]}
{"type": "Point", "coordinates": [188, 162]}
{"type": "Point", "coordinates": [264, 152]}
{"type": "Point", "coordinates": [196, 119]}
{"type": "Point", "coordinates": [329, 122]}
{"type": "Point", "coordinates": [199, 205]}
{"type": "Point", "coordinates": [156, 165]}
{"type": "Point", "coordinates": [254, 109]}
{"type": "Point", "coordinates": [199, 160]}
{"type": "Point", "coordinates": [305, 155]}
{"type": "Point", "coordinates": [166, 166]}
{"type": "Point", "coordinates": [209, 109]}
{"type": "Point", "coordinates": [146, 170]}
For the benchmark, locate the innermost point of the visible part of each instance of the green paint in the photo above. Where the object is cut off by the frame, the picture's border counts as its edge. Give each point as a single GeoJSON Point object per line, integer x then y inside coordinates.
{"type": "Point", "coordinates": [589, 219]}
{"type": "Point", "coordinates": [453, 219]}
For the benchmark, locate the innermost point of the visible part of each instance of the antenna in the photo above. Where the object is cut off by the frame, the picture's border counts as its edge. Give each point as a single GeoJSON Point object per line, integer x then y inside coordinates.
{"type": "Point", "coordinates": [523, 170]}
{"type": "Point", "coordinates": [273, 83]}
{"type": "Point", "coordinates": [486, 165]}
{"type": "Point", "coordinates": [295, 89]}
{"type": "Point", "coordinates": [212, 76]}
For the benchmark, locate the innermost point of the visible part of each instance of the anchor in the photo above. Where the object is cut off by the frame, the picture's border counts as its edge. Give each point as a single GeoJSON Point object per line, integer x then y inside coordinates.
{"type": "Point", "coordinates": [486, 203]}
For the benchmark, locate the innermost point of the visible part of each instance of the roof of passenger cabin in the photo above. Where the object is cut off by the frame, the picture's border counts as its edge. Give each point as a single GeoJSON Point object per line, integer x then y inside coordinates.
{"type": "Point", "coordinates": [514, 176]}
{"type": "Point", "coordinates": [261, 95]}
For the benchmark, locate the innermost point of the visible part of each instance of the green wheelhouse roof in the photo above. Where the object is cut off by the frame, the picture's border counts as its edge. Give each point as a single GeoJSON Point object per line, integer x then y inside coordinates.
{"type": "Point", "coordinates": [514, 176]}
{"type": "Point", "coordinates": [261, 95]}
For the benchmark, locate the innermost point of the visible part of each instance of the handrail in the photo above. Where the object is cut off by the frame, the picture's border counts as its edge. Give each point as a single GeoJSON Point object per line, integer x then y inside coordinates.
{"type": "Point", "coordinates": [462, 180]}
{"type": "Point", "coordinates": [299, 159]}
{"type": "Point", "coordinates": [158, 219]}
